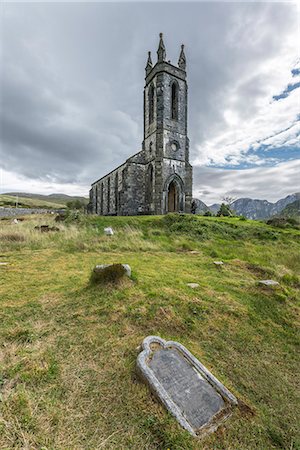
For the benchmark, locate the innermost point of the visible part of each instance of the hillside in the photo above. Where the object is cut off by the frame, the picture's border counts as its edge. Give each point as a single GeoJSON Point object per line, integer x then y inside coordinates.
{"type": "Point", "coordinates": [262, 209]}
{"type": "Point", "coordinates": [38, 200]}
{"type": "Point", "coordinates": [68, 348]}
{"type": "Point", "coordinates": [7, 200]}
{"type": "Point", "coordinates": [291, 210]}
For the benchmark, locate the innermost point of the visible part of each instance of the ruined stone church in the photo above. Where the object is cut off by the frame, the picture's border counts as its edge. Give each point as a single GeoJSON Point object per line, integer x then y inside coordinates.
{"type": "Point", "coordinates": [158, 179]}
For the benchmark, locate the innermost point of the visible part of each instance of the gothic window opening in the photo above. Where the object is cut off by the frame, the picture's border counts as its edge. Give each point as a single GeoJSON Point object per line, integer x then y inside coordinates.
{"type": "Point", "coordinates": [149, 186]}
{"type": "Point", "coordinates": [151, 103]}
{"type": "Point", "coordinates": [101, 199]}
{"type": "Point", "coordinates": [96, 199]}
{"type": "Point", "coordinates": [116, 192]}
{"type": "Point", "coordinates": [174, 101]}
{"type": "Point", "coordinates": [108, 195]}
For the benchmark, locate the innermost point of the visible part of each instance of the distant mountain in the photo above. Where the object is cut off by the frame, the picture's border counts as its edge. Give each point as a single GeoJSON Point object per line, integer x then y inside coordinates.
{"type": "Point", "coordinates": [291, 210]}
{"type": "Point", "coordinates": [252, 208]}
{"type": "Point", "coordinates": [61, 199]}
{"type": "Point", "coordinates": [261, 209]}
{"type": "Point", "coordinates": [215, 207]}
{"type": "Point", "coordinates": [201, 207]}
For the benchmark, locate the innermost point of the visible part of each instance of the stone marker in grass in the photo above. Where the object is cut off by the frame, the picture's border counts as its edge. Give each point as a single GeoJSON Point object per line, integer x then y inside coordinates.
{"type": "Point", "coordinates": [186, 388]}
{"type": "Point", "coordinates": [193, 285]}
{"type": "Point", "coordinates": [268, 283]}
{"type": "Point", "coordinates": [108, 231]}
{"type": "Point", "coordinates": [218, 263]}
{"type": "Point", "coordinates": [110, 273]}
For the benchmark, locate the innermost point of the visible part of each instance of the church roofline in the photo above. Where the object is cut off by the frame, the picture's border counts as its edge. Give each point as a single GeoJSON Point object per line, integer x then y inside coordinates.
{"type": "Point", "coordinates": [127, 161]}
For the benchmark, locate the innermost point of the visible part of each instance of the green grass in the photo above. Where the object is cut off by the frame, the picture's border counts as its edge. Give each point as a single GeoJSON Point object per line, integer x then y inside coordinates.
{"type": "Point", "coordinates": [68, 348]}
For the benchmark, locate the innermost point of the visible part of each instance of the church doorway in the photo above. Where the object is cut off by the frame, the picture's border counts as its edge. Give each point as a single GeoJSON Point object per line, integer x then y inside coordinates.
{"type": "Point", "coordinates": [173, 203]}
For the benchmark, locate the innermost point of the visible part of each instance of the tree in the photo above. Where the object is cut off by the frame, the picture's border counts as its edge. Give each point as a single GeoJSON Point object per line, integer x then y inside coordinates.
{"type": "Point", "coordinates": [75, 204]}
{"type": "Point", "coordinates": [208, 213]}
{"type": "Point", "coordinates": [228, 200]}
{"type": "Point", "coordinates": [224, 211]}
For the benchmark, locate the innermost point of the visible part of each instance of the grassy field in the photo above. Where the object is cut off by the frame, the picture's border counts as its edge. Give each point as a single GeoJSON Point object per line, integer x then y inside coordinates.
{"type": "Point", "coordinates": [68, 348]}
{"type": "Point", "coordinates": [27, 202]}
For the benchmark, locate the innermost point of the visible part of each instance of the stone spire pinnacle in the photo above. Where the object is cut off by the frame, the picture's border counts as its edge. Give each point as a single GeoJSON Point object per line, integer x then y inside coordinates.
{"type": "Point", "coordinates": [149, 64]}
{"type": "Point", "coordinates": [161, 52]}
{"type": "Point", "coordinates": [182, 59]}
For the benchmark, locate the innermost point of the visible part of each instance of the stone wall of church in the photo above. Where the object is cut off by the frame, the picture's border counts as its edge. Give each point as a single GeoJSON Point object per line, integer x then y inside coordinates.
{"type": "Point", "coordinates": [121, 192]}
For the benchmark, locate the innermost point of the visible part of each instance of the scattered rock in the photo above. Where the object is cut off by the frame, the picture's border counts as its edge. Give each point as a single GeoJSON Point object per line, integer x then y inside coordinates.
{"type": "Point", "coordinates": [194, 252]}
{"type": "Point", "coordinates": [46, 228]}
{"type": "Point", "coordinates": [218, 263]}
{"type": "Point", "coordinates": [3, 263]}
{"type": "Point", "coordinates": [108, 231]}
{"type": "Point", "coordinates": [269, 282]}
{"type": "Point", "coordinates": [15, 221]}
{"type": "Point", "coordinates": [110, 273]}
{"type": "Point", "coordinates": [193, 285]}
{"type": "Point", "coordinates": [61, 216]}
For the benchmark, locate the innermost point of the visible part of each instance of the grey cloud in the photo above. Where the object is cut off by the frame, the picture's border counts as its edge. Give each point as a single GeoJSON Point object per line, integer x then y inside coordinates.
{"type": "Point", "coordinates": [73, 77]}
{"type": "Point", "coordinates": [271, 183]}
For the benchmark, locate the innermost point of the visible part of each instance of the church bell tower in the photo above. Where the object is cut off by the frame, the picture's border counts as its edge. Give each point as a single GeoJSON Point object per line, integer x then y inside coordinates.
{"type": "Point", "coordinates": [168, 176]}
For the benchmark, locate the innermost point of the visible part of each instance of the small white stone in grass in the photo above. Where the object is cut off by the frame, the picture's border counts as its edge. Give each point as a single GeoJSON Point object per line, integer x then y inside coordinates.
{"type": "Point", "coordinates": [269, 282]}
{"type": "Point", "coordinates": [3, 263]}
{"type": "Point", "coordinates": [193, 285]}
{"type": "Point", "coordinates": [218, 263]}
{"type": "Point", "coordinates": [194, 252]}
{"type": "Point", "coordinates": [15, 221]}
{"type": "Point", "coordinates": [108, 231]}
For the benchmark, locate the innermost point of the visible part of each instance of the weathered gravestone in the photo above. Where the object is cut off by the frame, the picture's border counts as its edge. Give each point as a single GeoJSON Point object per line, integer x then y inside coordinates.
{"type": "Point", "coordinates": [186, 388]}
{"type": "Point", "coordinates": [269, 282]}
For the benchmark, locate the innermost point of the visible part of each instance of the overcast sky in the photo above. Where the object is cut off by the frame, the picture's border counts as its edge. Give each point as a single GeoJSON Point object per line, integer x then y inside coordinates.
{"type": "Point", "coordinates": [72, 78]}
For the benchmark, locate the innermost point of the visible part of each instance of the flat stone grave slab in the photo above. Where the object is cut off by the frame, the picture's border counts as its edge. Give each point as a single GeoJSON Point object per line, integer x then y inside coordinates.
{"type": "Point", "coordinates": [269, 282]}
{"type": "Point", "coordinates": [193, 285]}
{"type": "Point", "coordinates": [186, 388]}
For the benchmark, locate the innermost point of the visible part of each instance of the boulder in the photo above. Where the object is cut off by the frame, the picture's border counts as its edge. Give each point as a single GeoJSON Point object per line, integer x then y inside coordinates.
{"type": "Point", "coordinates": [110, 273]}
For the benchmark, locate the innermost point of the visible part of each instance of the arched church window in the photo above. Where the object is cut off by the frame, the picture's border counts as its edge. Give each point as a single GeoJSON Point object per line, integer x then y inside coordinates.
{"type": "Point", "coordinates": [151, 103]}
{"type": "Point", "coordinates": [101, 199]}
{"type": "Point", "coordinates": [151, 148]}
{"type": "Point", "coordinates": [174, 101]}
{"type": "Point", "coordinates": [149, 185]}
{"type": "Point", "coordinates": [117, 192]}
{"type": "Point", "coordinates": [108, 195]}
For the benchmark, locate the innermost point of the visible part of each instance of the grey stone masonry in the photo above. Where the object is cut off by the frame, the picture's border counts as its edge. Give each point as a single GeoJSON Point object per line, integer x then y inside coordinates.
{"type": "Point", "coordinates": [158, 179]}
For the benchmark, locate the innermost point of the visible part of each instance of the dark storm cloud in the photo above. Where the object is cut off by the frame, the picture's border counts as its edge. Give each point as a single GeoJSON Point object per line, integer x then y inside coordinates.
{"type": "Point", "coordinates": [72, 83]}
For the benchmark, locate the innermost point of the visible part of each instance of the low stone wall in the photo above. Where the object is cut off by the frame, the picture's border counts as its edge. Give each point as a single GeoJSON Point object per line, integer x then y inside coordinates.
{"type": "Point", "coordinates": [14, 212]}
